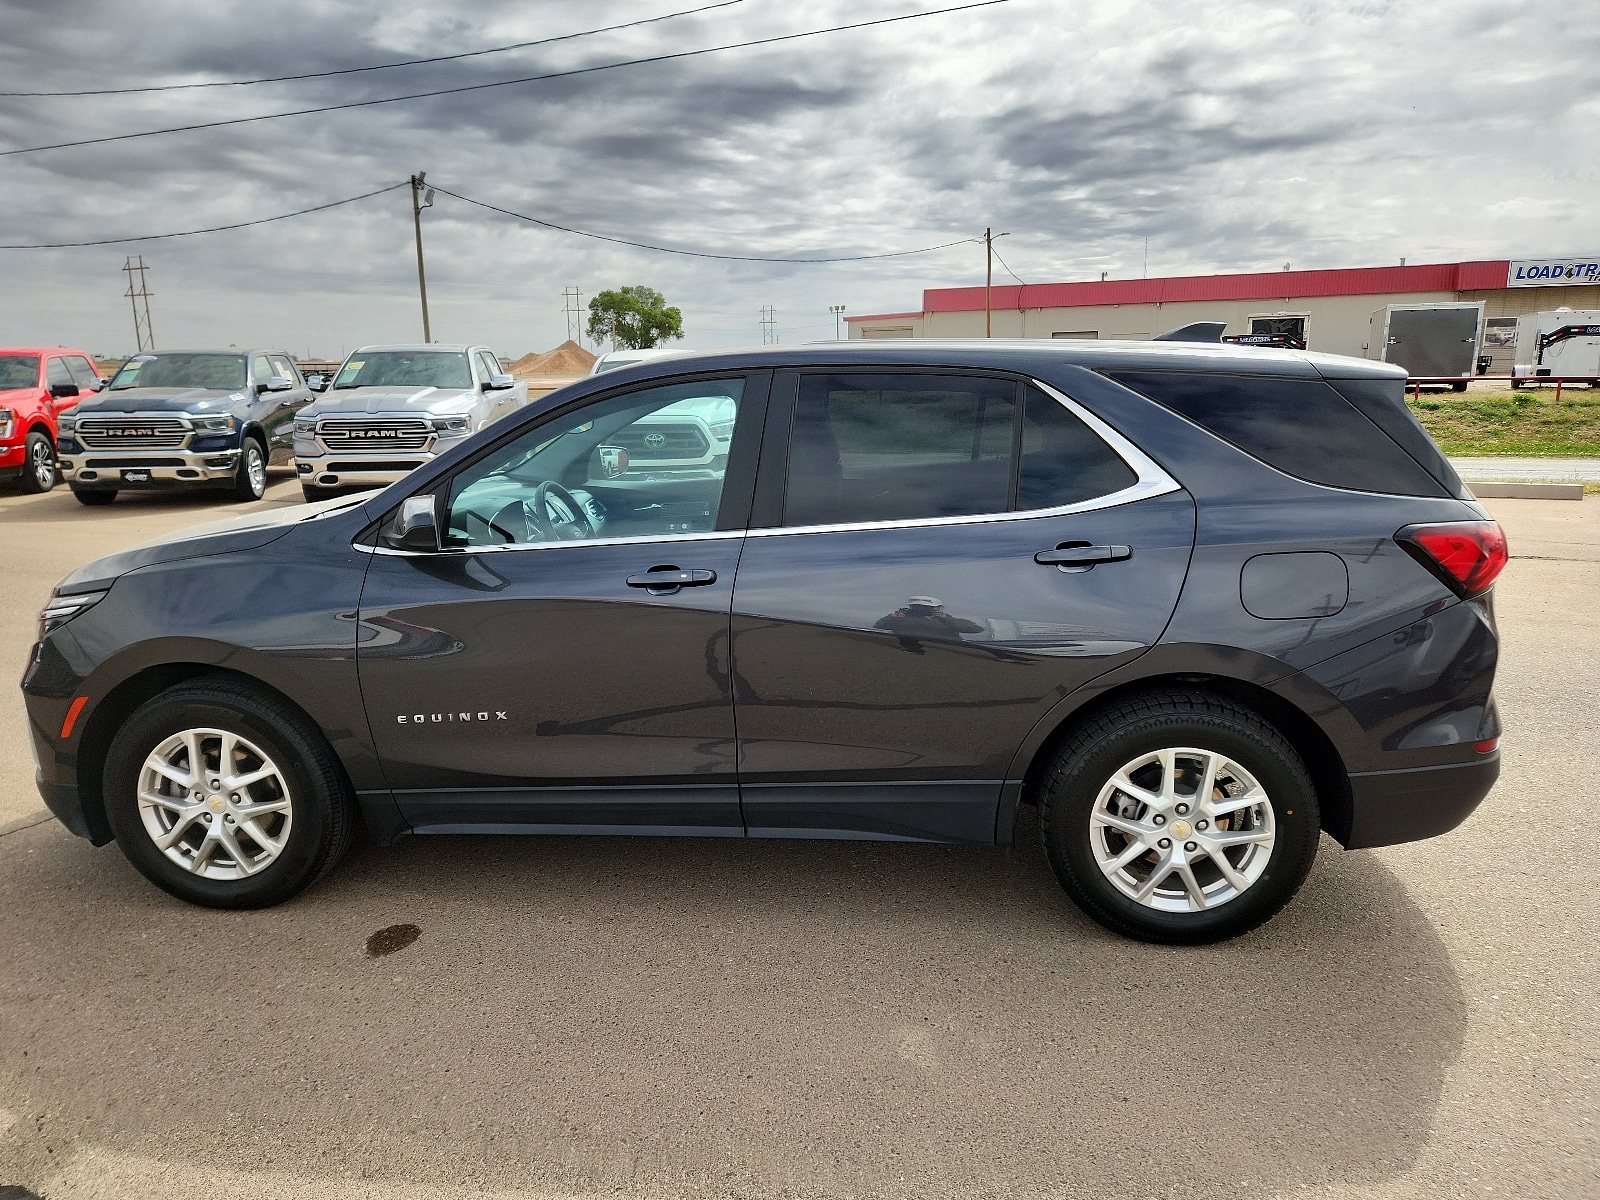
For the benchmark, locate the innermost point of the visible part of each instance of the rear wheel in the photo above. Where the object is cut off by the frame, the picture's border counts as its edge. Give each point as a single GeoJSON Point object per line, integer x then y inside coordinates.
{"type": "Point", "coordinates": [39, 463]}
{"type": "Point", "coordinates": [226, 797]}
{"type": "Point", "coordinates": [251, 482]}
{"type": "Point", "coordinates": [1179, 817]}
{"type": "Point", "coordinates": [96, 497]}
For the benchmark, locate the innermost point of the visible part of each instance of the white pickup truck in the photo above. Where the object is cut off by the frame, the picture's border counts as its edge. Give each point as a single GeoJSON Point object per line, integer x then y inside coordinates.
{"type": "Point", "coordinates": [389, 409]}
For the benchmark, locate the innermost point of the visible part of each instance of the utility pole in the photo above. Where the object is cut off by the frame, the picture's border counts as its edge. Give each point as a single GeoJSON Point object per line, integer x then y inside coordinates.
{"type": "Point", "coordinates": [572, 306]}
{"type": "Point", "coordinates": [769, 325]}
{"type": "Point", "coordinates": [836, 310]}
{"type": "Point", "coordinates": [988, 282]}
{"type": "Point", "coordinates": [144, 336]}
{"type": "Point", "coordinates": [418, 203]}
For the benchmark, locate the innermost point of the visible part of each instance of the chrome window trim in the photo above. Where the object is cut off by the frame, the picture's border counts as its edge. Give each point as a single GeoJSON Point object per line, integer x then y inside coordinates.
{"type": "Point", "coordinates": [1150, 480]}
{"type": "Point", "coordinates": [715, 535]}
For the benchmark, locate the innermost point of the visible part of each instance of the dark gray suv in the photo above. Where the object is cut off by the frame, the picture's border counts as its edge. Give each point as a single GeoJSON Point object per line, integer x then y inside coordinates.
{"type": "Point", "coordinates": [1196, 603]}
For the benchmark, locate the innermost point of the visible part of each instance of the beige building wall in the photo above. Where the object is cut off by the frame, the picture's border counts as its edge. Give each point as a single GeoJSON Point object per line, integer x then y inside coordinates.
{"type": "Point", "coordinates": [1334, 324]}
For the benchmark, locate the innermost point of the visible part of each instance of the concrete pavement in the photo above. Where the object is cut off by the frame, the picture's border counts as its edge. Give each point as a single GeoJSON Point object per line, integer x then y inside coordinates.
{"type": "Point", "coordinates": [607, 1016]}
{"type": "Point", "coordinates": [1528, 470]}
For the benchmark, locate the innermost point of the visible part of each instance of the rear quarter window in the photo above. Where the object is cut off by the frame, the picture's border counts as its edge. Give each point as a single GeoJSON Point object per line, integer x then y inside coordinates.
{"type": "Point", "coordinates": [1303, 427]}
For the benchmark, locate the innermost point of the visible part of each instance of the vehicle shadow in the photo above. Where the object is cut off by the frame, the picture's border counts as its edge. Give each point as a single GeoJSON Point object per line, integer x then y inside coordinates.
{"type": "Point", "coordinates": [59, 504]}
{"type": "Point", "coordinates": [750, 1018]}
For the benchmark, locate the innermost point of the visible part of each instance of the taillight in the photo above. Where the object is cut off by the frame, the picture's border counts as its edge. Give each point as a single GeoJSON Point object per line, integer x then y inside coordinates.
{"type": "Point", "coordinates": [1467, 556]}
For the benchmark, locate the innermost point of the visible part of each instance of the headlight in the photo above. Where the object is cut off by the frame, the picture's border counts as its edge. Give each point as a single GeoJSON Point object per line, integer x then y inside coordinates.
{"type": "Point", "coordinates": [452, 424]}
{"type": "Point", "coordinates": [306, 425]}
{"type": "Point", "coordinates": [214, 424]}
{"type": "Point", "coordinates": [62, 609]}
{"type": "Point", "coordinates": [721, 430]}
{"type": "Point", "coordinates": [8, 419]}
{"type": "Point", "coordinates": [67, 422]}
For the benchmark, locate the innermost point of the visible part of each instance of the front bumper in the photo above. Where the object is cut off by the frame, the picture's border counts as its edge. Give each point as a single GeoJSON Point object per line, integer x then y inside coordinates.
{"type": "Point", "coordinates": [150, 468]}
{"type": "Point", "coordinates": [1390, 807]}
{"type": "Point", "coordinates": [357, 470]}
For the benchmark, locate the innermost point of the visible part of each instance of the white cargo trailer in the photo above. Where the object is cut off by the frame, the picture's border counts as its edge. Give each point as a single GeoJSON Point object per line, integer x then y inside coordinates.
{"type": "Point", "coordinates": [1431, 341]}
{"type": "Point", "coordinates": [1562, 344]}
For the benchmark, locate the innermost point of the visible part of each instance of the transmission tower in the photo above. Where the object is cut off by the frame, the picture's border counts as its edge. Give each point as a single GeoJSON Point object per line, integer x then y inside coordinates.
{"type": "Point", "coordinates": [572, 306]}
{"type": "Point", "coordinates": [769, 325]}
{"type": "Point", "coordinates": [143, 335]}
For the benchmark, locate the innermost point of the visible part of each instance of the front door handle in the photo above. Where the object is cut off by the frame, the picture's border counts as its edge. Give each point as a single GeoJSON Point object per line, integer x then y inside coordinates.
{"type": "Point", "coordinates": [1081, 555]}
{"type": "Point", "coordinates": [671, 578]}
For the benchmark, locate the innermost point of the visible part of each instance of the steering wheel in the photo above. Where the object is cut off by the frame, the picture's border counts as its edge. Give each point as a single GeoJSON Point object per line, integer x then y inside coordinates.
{"type": "Point", "coordinates": [532, 519]}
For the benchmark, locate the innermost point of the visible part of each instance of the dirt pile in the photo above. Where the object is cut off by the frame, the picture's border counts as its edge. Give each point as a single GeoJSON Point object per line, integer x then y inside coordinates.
{"type": "Point", "coordinates": [569, 358]}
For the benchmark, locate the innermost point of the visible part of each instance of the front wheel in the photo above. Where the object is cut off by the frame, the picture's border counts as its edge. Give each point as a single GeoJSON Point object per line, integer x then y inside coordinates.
{"type": "Point", "coordinates": [39, 464]}
{"type": "Point", "coordinates": [226, 797]}
{"type": "Point", "coordinates": [251, 482]}
{"type": "Point", "coordinates": [1180, 818]}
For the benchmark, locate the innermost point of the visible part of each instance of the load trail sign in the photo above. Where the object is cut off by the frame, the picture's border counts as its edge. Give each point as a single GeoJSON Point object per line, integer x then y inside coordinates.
{"type": "Point", "coordinates": [1553, 272]}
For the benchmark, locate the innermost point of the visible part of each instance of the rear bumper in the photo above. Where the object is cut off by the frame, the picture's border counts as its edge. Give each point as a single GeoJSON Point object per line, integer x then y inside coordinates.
{"type": "Point", "coordinates": [166, 468]}
{"type": "Point", "coordinates": [1390, 807]}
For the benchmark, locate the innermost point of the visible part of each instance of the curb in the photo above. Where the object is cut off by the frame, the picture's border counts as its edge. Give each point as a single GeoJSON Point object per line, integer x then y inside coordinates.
{"type": "Point", "coordinates": [1527, 491]}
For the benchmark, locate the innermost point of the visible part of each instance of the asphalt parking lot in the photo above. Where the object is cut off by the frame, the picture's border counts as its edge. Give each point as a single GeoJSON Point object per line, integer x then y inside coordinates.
{"type": "Point", "coordinates": [621, 1017]}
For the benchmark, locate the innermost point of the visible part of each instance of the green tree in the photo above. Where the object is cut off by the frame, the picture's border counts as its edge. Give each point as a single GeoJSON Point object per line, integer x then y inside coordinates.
{"type": "Point", "coordinates": [633, 318]}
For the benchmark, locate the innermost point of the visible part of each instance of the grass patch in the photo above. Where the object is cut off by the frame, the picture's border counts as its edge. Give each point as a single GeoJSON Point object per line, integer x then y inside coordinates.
{"type": "Point", "coordinates": [1513, 423]}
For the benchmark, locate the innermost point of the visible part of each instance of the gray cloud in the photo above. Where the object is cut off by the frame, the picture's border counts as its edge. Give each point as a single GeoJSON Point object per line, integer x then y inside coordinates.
{"type": "Point", "coordinates": [1237, 136]}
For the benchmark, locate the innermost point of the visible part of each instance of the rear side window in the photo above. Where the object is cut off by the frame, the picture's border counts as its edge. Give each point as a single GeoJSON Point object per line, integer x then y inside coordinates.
{"type": "Point", "coordinates": [1384, 403]}
{"type": "Point", "coordinates": [1063, 461]}
{"type": "Point", "coordinates": [899, 447]}
{"type": "Point", "coordinates": [1302, 427]}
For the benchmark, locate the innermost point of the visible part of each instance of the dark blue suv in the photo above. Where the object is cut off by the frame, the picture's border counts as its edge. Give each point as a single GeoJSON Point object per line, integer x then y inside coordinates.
{"type": "Point", "coordinates": [1196, 603]}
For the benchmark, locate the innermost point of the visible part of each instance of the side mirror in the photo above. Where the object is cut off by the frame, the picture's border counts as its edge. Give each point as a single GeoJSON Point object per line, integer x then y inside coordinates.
{"type": "Point", "coordinates": [612, 462]}
{"type": "Point", "coordinates": [499, 383]}
{"type": "Point", "coordinates": [415, 526]}
{"type": "Point", "coordinates": [316, 383]}
{"type": "Point", "coordinates": [63, 391]}
{"type": "Point", "coordinates": [276, 383]}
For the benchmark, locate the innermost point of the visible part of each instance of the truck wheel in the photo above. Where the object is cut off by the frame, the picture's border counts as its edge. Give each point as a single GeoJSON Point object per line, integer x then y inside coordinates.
{"type": "Point", "coordinates": [1458, 387]}
{"type": "Point", "coordinates": [39, 464]}
{"type": "Point", "coordinates": [96, 498]}
{"type": "Point", "coordinates": [251, 482]}
{"type": "Point", "coordinates": [1179, 817]}
{"type": "Point", "coordinates": [226, 797]}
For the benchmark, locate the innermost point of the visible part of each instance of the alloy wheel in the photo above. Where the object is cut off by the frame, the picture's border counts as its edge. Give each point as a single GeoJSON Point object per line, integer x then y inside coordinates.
{"type": "Point", "coordinates": [257, 466]}
{"type": "Point", "coordinates": [44, 465]}
{"type": "Point", "coordinates": [1182, 829]}
{"type": "Point", "coordinates": [215, 804]}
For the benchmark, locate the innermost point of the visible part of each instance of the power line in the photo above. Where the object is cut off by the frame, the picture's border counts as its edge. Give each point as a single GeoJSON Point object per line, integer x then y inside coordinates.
{"type": "Point", "coordinates": [408, 62]}
{"type": "Point", "coordinates": [156, 237]}
{"type": "Point", "coordinates": [1009, 271]}
{"type": "Point", "coordinates": [601, 237]}
{"type": "Point", "coordinates": [478, 87]}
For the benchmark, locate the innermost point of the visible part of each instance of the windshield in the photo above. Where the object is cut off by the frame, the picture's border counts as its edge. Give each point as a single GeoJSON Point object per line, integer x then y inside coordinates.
{"type": "Point", "coordinates": [214, 372]}
{"type": "Point", "coordinates": [18, 371]}
{"type": "Point", "coordinates": [406, 368]}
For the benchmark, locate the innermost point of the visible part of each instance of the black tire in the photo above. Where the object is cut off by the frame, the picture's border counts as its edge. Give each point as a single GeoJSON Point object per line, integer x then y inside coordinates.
{"type": "Point", "coordinates": [251, 482]}
{"type": "Point", "coordinates": [321, 809]}
{"type": "Point", "coordinates": [95, 497]}
{"type": "Point", "coordinates": [1458, 387]}
{"type": "Point", "coordinates": [39, 473]}
{"type": "Point", "coordinates": [1140, 725]}
{"type": "Point", "coordinates": [313, 494]}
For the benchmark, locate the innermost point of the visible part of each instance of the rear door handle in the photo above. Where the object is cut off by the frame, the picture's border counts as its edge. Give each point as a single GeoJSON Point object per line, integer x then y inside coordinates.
{"type": "Point", "coordinates": [672, 578]}
{"type": "Point", "coordinates": [1078, 556]}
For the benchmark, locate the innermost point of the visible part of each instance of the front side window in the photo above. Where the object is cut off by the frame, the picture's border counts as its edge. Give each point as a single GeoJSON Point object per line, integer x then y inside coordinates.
{"type": "Point", "coordinates": [213, 372]}
{"type": "Point", "coordinates": [18, 371]}
{"type": "Point", "coordinates": [406, 369]}
{"type": "Point", "coordinates": [487, 366]}
{"type": "Point", "coordinates": [83, 372]}
{"type": "Point", "coordinates": [56, 373]}
{"type": "Point", "coordinates": [262, 369]}
{"type": "Point", "coordinates": [282, 366]}
{"type": "Point", "coordinates": [649, 463]}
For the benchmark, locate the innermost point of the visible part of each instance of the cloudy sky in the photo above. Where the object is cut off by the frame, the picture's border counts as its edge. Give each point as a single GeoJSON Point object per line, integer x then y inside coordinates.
{"type": "Point", "coordinates": [1233, 135]}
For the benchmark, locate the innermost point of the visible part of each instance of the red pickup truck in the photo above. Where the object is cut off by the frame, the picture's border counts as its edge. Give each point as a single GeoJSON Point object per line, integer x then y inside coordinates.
{"type": "Point", "coordinates": [36, 384]}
